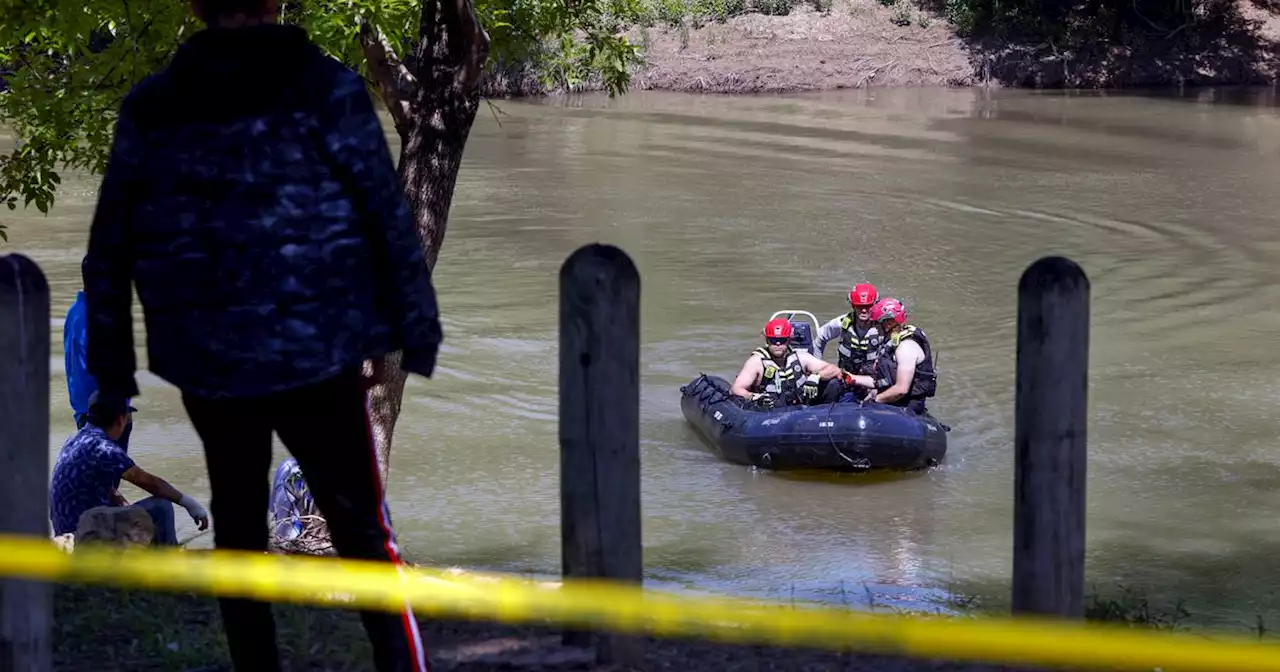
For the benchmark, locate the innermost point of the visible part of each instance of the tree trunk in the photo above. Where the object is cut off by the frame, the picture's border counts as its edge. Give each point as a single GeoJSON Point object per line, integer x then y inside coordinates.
{"type": "Point", "coordinates": [430, 156]}
{"type": "Point", "coordinates": [434, 105]}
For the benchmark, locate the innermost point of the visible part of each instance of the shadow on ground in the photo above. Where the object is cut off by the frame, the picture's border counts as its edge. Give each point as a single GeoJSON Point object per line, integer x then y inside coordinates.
{"type": "Point", "coordinates": [1107, 44]}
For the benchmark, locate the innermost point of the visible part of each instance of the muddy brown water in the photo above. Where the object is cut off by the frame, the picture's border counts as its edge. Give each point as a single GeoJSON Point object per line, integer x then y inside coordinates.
{"type": "Point", "coordinates": [736, 207]}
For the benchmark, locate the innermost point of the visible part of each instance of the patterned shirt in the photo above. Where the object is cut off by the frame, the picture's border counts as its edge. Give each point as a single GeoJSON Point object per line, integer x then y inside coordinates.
{"type": "Point", "coordinates": [87, 472]}
{"type": "Point", "coordinates": [251, 198]}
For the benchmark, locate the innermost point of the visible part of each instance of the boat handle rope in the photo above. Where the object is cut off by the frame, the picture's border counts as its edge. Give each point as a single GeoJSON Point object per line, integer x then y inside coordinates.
{"type": "Point", "coordinates": [832, 440]}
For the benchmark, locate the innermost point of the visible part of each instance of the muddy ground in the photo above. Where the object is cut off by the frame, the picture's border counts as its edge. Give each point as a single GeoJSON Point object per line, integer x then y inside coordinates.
{"type": "Point", "coordinates": [861, 43]}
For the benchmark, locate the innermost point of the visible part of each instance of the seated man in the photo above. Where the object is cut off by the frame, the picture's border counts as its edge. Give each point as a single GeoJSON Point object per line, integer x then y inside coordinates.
{"type": "Point", "coordinates": [772, 374]}
{"type": "Point", "coordinates": [90, 465]}
{"type": "Point", "coordinates": [904, 370]}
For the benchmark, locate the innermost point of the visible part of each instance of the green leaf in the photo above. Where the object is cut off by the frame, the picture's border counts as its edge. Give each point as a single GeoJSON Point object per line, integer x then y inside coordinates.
{"type": "Point", "coordinates": [69, 63]}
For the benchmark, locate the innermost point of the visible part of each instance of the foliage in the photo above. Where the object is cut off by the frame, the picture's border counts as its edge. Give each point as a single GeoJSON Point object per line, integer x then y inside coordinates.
{"type": "Point", "coordinates": [1055, 19]}
{"type": "Point", "coordinates": [675, 14]}
{"type": "Point", "coordinates": [68, 64]}
{"type": "Point", "coordinates": [774, 7]}
{"type": "Point", "coordinates": [569, 42]}
{"type": "Point", "coordinates": [62, 115]}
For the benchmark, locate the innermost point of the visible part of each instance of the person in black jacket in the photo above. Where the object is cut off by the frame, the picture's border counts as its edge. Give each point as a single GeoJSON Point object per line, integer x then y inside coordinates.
{"type": "Point", "coordinates": [251, 199]}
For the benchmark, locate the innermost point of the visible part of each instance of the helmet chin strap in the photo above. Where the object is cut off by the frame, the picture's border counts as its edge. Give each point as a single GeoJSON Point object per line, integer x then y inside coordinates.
{"type": "Point", "coordinates": [893, 330]}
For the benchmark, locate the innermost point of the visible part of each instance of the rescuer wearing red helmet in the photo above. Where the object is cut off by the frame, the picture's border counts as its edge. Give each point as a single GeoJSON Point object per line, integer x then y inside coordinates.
{"type": "Point", "coordinates": [859, 338]}
{"type": "Point", "coordinates": [773, 374]}
{"type": "Point", "coordinates": [904, 374]}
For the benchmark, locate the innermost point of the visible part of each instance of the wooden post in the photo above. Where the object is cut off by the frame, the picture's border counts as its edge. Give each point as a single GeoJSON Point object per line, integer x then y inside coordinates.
{"type": "Point", "coordinates": [26, 607]}
{"type": "Point", "coordinates": [600, 428]}
{"type": "Point", "coordinates": [1049, 438]}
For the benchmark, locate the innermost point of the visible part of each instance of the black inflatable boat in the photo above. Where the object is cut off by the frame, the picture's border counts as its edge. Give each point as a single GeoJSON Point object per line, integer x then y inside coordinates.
{"type": "Point", "coordinates": [834, 437]}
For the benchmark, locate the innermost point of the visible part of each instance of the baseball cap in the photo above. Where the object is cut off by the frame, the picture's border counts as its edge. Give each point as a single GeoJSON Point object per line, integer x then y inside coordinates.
{"type": "Point", "coordinates": [109, 406]}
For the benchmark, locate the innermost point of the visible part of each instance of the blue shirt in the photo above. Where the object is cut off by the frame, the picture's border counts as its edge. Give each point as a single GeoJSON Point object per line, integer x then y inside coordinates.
{"type": "Point", "coordinates": [80, 383]}
{"type": "Point", "coordinates": [87, 472]}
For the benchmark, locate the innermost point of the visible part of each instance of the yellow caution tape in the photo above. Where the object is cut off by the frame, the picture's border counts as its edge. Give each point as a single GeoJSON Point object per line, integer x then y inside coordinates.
{"type": "Point", "coordinates": [629, 609]}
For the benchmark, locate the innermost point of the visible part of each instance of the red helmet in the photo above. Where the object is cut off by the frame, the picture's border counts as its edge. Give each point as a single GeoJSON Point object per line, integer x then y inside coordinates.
{"type": "Point", "coordinates": [889, 309]}
{"type": "Point", "coordinates": [863, 294]}
{"type": "Point", "coordinates": [778, 328]}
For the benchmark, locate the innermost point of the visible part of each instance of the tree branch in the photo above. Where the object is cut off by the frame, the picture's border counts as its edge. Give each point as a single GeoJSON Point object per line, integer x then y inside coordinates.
{"type": "Point", "coordinates": [471, 36]}
{"type": "Point", "coordinates": [452, 46]}
{"type": "Point", "coordinates": [398, 85]}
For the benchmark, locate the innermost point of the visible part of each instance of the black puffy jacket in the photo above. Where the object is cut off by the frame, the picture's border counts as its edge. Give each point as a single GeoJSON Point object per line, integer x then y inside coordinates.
{"type": "Point", "coordinates": [251, 197]}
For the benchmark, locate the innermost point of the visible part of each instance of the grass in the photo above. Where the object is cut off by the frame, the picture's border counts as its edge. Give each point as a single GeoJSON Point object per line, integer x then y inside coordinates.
{"type": "Point", "coordinates": [678, 14]}
{"type": "Point", "coordinates": [1125, 605]}
{"type": "Point", "coordinates": [102, 629]}
{"type": "Point", "coordinates": [106, 629]}
{"type": "Point", "coordinates": [1133, 608]}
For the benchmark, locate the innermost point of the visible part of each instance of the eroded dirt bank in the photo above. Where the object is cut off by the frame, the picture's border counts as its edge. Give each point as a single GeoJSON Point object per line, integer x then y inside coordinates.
{"type": "Point", "coordinates": [862, 43]}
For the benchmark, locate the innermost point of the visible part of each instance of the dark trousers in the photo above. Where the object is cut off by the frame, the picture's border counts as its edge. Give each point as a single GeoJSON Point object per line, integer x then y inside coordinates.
{"type": "Point", "coordinates": [830, 391]}
{"type": "Point", "coordinates": [326, 428]}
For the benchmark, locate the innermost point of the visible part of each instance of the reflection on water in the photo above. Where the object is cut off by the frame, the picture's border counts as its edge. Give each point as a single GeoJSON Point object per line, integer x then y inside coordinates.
{"type": "Point", "coordinates": [736, 207]}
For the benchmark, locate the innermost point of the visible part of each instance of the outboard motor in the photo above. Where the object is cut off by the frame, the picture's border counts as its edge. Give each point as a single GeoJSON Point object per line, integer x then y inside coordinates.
{"type": "Point", "coordinates": [802, 336]}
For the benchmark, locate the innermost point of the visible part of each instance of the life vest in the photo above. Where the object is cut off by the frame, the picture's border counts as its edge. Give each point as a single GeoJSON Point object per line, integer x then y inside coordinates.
{"type": "Point", "coordinates": [858, 353]}
{"type": "Point", "coordinates": [924, 383]}
{"type": "Point", "coordinates": [782, 383]}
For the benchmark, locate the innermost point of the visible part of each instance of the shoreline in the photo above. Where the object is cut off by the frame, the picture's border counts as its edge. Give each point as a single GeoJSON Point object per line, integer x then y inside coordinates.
{"type": "Point", "coordinates": [894, 43]}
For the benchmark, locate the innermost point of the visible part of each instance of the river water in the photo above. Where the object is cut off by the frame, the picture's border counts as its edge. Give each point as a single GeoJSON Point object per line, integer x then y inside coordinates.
{"type": "Point", "coordinates": [735, 207]}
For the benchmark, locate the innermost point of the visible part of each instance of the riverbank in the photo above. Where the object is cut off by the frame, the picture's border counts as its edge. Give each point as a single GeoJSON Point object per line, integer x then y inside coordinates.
{"type": "Point", "coordinates": [837, 44]}
{"type": "Point", "coordinates": [102, 630]}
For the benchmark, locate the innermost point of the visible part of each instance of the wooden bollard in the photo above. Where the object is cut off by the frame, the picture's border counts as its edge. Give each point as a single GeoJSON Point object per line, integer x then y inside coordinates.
{"type": "Point", "coordinates": [26, 607]}
{"type": "Point", "coordinates": [1049, 438]}
{"type": "Point", "coordinates": [600, 429]}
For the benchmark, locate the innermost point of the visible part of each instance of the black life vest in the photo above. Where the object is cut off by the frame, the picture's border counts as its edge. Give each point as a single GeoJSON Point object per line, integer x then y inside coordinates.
{"type": "Point", "coordinates": [858, 353]}
{"type": "Point", "coordinates": [782, 383]}
{"type": "Point", "coordinates": [924, 383]}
